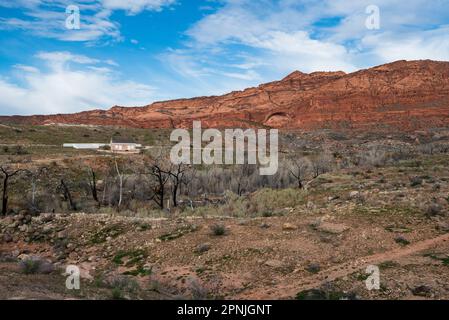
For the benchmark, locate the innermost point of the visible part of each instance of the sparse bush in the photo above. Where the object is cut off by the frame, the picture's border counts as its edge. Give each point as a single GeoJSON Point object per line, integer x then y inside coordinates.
{"type": "Point", "coordinates": [268, 200]}
{"type": "Point", "coordinates": [382, 180]}
{"type": "Point", "coordinates": [198, 291]}
{"type": "Point", "coordinates": [236, 206]}
{"type": "Point", "coordinates": [416, 181]}
{"type": "Point", "coordinates": [35, 265]}
{"type": "Point", "coordinates": [123, 286]}
{"type": "Point", "coordinates": [218, 230]}
{"type": "Point", "coordinates": [117, 294]}
{"type": "Point", "coordinates": [325, 294]}
{"type": "Point", "coordinates": [433, 209]}
{"type": "Point", "coordinates": [267, 214]}
{"type": "Point", "coordinates": [313, 268]}
{"type": "Point", "coordinates": [401, 240]}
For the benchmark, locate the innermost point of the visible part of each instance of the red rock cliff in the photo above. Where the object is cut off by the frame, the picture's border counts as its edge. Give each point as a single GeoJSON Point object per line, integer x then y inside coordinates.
{"type": "Point", "coordinates": [403, 94]}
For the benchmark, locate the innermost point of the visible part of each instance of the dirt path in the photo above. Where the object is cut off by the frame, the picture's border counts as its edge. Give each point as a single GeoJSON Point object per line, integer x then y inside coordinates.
{"type": "Point", "coordinates": [50, 160]}
{"type": "Point", "coordinates": [289, 287]}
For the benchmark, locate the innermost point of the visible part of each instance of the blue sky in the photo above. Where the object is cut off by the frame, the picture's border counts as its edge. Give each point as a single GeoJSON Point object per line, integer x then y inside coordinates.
{"type": "Point", "coordinates": [136, 52]}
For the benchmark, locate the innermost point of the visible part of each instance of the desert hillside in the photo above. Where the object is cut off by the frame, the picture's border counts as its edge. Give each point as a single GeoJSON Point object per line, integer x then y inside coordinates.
{"type": "Point", "coordinates": [404, 94]}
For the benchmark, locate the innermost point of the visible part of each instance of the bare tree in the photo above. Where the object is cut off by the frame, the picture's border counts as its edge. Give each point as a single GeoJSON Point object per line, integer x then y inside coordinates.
{"type": "Point", "coordinates": [242, 175]}
{"type": "Point", "coordinates": [93, 184]}
{"type": "Point", "coordinates": [299, 168]}
{"type": "Point", "coordinates": [105, 184]}
{"type": "Point", "coordinates": [7, 175]}
{"type": "Point", "coordinates": [34, 176]}
{"type": "Point", "coordinates": [120, 177]}
{"type": "Point", "coordinates": [178, 178]}
{"type": "Point", "coordinates": [320, 165]}
{"type": "Point", "coordinates": [161, 177]}
{"type": "Point", "coordinates": [67, 195]}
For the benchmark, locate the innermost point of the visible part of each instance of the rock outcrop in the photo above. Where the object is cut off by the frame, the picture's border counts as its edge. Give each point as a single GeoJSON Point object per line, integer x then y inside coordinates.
{"type": "Point", "coordinates": [405, 95]}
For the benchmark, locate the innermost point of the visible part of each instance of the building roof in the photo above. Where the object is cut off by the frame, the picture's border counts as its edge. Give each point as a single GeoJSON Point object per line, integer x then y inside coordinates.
{"type": "Point", "coordinates": [122, 140]}
{"type": "Point", "coordinates": [84, 145]}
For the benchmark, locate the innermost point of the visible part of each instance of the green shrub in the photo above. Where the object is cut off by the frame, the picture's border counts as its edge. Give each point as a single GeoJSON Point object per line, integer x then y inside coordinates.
{"type": "Point", "coordinates": [268, 200]}
{"type": "Point", "coordinates": [416, 181]}
{"type": "Point", "coordinates": [117, 294]}
{"type": "Point", "coordinates": [29, 266]}
{"type": "Point", "coordinates": [123, 287]}
{"type": "Point", "coordinates": [218, 230]}
{"type": "Point", "coordinates": [35, 265]}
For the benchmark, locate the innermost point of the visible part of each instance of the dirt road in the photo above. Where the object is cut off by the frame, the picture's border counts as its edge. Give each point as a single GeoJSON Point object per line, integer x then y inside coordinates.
{"type": "Point", "coordinates": [289, 287]}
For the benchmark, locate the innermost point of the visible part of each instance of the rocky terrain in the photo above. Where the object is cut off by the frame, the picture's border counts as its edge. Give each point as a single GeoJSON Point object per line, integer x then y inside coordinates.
{"type": "Point", "coordinates": [394, 217]}
{"type": "Point", "coordinates": [366, 195]}
{"type": "Point", "coordinates": [404, 94]}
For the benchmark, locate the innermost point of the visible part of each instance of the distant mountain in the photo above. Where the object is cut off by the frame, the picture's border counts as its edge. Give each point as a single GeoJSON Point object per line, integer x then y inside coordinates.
{"type": "Point", "coordinates": [403, 94]}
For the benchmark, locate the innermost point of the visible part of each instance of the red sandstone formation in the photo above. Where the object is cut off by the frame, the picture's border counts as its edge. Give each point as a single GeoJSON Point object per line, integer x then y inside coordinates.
{"type": "Point", "coordinates": [404, 94]}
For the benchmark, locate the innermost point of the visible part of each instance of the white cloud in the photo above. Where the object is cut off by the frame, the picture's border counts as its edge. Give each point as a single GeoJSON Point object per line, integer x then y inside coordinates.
{"type": "Point", "coordinates": [61, 57]}
{"type": "Point", "coordinates": [320, 35]}
{"type": "Point", "coordinates": [26, 68]}
{"type": "Point", "coordinates": [136, 6]}
{"type": "Point", "coordinates": [296, 50]}
{"type": "Point", "coordinates": [46, 18]}
{"type": "Point", "coordinates": [237, 44]}
{"type": "Point", "coordinates": [258, 42]}
{"type": "Point", "coordinates": [51, 24]}
{"type": "Point", "coordinates": [430, 44]}
{"type": "Point", "coordinates": [66, 88]}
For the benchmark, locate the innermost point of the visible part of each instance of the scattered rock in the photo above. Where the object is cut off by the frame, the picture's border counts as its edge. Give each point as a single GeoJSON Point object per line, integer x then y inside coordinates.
{"type": "Point", "coordinates": [243, 222]}
{"type": "Point", "coordinates": [47, 217]}
{"type": "Point", "coordinates": [14, 225]}
{"type": "Point", "coordinates": [23, 256]}
{"type": "Point", "coordinates": [201, 248]}
{"type": "Point", "coordinates": [422, 291]}
{"type": "Point", "coordinates": [27, 219]}
{"type": "Point", "coordinates": [289, 227]}
{"type": "Point", "coordinates": [401, 240]}
{"type": "Point", "coordinates": [354, 194]}
{"type": "Point", "coordinates": [264, 225]}
{"type": "Point", "coordinates": [332, 228]}
{"type": "Point", "coordinates": [7, 238]}
{"type": "Point", "coordinates": [442, 226]}
{"type": "Point", "coordinates": [61, 235]}
{"type": "Point", "coordinates": [328, 238]}
{"type": "Point", "coordinates": [313, 268]}
{"type": "Point", "coordinates": [7, 221]}
{"type": "Point", "coordinates": [310, 205]}
{"type": "Point", "coordinates": [47, 229]}
{"type": "Point", "coordinates": [433, 210]}
{"type": "Point", "coordinates": [274, 264]}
